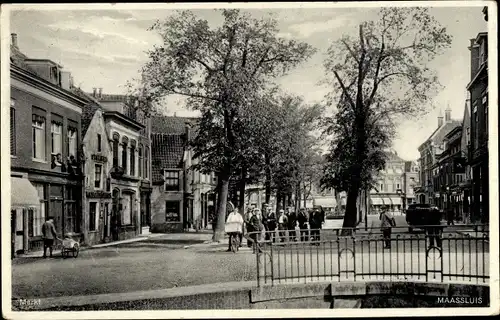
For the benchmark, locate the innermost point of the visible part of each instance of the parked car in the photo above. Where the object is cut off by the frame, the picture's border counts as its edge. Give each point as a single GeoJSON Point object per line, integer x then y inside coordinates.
{"type": "Point", "coordinates": [422, 214]}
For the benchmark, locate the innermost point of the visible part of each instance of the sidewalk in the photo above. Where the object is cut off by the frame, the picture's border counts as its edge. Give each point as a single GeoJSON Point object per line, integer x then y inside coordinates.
{"type": "Point", "coordinates": [190, 235]}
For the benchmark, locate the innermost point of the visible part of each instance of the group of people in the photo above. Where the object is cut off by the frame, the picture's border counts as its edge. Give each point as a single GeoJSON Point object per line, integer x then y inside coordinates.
{"type": "Point", "coordinates": [286, 226]}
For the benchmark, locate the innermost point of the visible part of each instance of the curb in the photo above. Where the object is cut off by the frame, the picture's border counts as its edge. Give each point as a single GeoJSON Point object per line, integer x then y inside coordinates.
{"type": "Point", "coordinates": [107, 298]}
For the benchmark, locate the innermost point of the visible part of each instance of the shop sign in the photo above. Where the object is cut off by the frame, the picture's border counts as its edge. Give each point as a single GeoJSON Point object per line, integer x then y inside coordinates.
{"type": "Point", "coordinates": [99, 158]}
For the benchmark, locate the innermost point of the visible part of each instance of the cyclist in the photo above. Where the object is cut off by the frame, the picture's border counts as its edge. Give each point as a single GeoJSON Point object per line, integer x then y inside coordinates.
{"type": "Point", "coordinates": [234, 228]}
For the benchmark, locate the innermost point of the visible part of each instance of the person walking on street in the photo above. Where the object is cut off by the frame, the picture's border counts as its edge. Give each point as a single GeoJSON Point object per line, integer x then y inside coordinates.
{"type": "Point", "coordinates": [450, 217]}
{"type": "Point", "coordinates": [315, 221]}
{"type": "Point", "coordinates": [282, 225]}
{"type": "Point", "coordinates": [292, 221]}
{"type": "Point", "coordinates": [302, 220]}
{"type": "Point", "coordinates": [234, 226]}
{"type": "Point", "coordinates": [255, 226]}
{"type": "Point", "coordinates": [49, 234]}
{"type": "Point", "coordinates": [434, 228]}
{"type": "Point", "coordinates": [386, 223]}
{"type": "Point", "coordinates": [271, 223]}
{"type": "Point", "coordinates": [265, 220]}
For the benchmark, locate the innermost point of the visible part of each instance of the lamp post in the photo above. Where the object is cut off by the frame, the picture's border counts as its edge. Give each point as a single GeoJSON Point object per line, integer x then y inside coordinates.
{"type": "Point", "coordinates": [403, 199]}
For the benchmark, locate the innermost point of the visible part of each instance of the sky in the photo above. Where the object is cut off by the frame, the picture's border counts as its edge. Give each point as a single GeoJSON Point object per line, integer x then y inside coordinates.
{"type": "Point", "coordinates": [106, 46]}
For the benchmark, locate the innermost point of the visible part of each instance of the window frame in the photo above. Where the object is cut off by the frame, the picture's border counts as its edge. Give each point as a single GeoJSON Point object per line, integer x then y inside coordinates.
{"type": "Point", "coordinates": [99, 142]}
{"type": "Point", "coordinates": [168, 205]}
{"type": "Point", "coordinates": [38, 145]}
{"type": "Point", "coordinates": [132, 160]}
{"type": "Point", "coordinates": [100, 176]}
{"type": "Point", "coordinates": [56, 136]}
{"type": "Point", "coordinates": [172, 176]}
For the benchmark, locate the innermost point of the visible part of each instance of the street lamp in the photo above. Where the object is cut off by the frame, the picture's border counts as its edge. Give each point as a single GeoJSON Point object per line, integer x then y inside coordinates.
{"type": "Point", "coordinates": [403, 198]}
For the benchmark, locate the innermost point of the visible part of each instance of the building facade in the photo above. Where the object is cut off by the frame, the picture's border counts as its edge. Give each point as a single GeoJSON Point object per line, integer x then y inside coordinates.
{"type": "Point", "coordinates": [411, 181]}
{"type": "Point", "coordinates": [182, 198]}
{"type": "Point", "coordinates": [389, 185]}
{"type": "Point", "coordinates": [97, 153]}
{"type": "Point", "coordinates": [45, 153]}
{"type": "Point", "coordinates": [127, 129]}
{"type": "Point", "coordinates": [478, 151]}
{"type": "Point", "coordinates": [433, 146]}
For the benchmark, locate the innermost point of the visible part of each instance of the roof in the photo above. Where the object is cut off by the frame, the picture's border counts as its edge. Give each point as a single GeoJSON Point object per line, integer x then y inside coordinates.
{"type": "Point", "coordinates": [172, 125]}
{"type": "Point", "coordinates": [88, 110]}
{"type": "Point", "coordinates": [438, 135]}
{"type": "Point", "coordinates": [167, 152]}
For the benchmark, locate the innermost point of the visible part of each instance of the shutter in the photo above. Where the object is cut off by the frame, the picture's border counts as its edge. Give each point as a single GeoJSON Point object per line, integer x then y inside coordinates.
{"type": "Point", "coordinates": [12, 131]}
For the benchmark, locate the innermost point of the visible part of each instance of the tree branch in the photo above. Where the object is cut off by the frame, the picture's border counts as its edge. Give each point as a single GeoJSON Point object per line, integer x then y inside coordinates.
{"type": "Point", "coordinates": [261, 61]}
{"type": "Point", "coordinates": [345, 92]}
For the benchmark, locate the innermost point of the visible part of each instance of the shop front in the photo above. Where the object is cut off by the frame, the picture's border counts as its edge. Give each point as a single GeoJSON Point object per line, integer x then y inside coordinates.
{"type": "Point", "coordinates": [24, 203]}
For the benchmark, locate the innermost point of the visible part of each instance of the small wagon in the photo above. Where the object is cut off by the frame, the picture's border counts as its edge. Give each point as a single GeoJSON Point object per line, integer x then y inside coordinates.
{"type": "Point", "coordinates": [70, 247]}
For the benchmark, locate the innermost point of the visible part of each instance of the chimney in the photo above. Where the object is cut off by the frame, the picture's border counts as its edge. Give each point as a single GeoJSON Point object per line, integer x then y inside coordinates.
{"type": "Point", "coordinates": [474, 58]}
{"type": "Point", "coordinates": [100, 92]}
{"type": "Point", "coordinates": [440, 120]}
{"type": "Point", "coordinates": [94, 92]}
{"type": "Point", "coordinates": [447, 114]}
{"type": "Point", "coordinates": [14, 40]}
{"type": "Point", "coordinates": [66, 80]}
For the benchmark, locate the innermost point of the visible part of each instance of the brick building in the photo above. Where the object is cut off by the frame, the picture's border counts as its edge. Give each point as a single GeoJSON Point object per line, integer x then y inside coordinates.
{"type": "Point", "coordinates": [478, 151]}
{"type": "Point", "coordinates": [45, 153]}
{"type": "Point", "coordinates": [433, 146]}
{"type": "Point", "coordinates": [182, 198]}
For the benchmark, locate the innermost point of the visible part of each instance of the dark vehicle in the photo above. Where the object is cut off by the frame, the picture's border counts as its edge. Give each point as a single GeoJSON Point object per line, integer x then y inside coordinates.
{"type": "Point", "coordinates": [422, 214]}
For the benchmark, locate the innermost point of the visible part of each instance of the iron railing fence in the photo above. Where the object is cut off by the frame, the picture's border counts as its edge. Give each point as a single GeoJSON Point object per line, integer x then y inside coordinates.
{"type": "Point", "coordinates": [327, 255]}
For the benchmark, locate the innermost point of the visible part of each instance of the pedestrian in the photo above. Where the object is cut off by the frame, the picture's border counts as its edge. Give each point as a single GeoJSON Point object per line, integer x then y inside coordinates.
{"type": "Point", "coordinates": [282, 225]}
{"type": "Point", "coordinates": [265, 221]}
{"type": "Point", "coordinates": [386, 223]}
{"type": "Point", "coordinates": [49, 234]}
{"type": "Point", "coordinates": [271, 224]}
{"type": "Point", "coordinates": [292, 222]}
{"type": "Point", "coordinates": [255, 228]}
{"type": "Point", "coordinates": [450, 217]}
{"type": "Point", "coordinates": [316, 219]}
{"type": "Point", "coordinates": [302, 220]}
{"type": "Point", "coordinates": [434, 229]}
{"type": "Point", "coordinates": [234, 226]}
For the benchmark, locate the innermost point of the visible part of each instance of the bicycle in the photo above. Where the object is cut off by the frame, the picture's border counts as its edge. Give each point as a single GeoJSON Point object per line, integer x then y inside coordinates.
{"type": "Point", "coordinates": [234, 241]}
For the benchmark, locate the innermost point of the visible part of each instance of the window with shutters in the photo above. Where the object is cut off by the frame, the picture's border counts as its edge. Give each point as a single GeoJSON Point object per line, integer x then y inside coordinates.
{"type": "Point", "coordinates": [12, 128]}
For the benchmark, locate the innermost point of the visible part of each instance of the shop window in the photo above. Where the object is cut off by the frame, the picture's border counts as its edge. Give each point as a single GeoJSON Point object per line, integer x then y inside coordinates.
{"type": "Point", "coordinates": [172, 211]}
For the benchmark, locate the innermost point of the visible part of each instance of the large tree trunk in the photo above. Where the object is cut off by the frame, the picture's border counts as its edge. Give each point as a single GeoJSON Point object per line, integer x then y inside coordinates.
{"type": "Point", "coordinates": [221, 208]}
{"type": "Point", "coordinates": [297, 197]}
{"type": "Point", "coordinates": [278, 201]}
{"type": "Point", "coordinates": [268, 179]}
{"type": "Point", "coordinates": [242, 185]}
{"type": "Point", "coordinates": [351, 209]}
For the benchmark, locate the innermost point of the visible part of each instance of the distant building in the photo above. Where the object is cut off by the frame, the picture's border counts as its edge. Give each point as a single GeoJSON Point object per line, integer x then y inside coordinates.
{"type": "Point", "coordinates": [182, 198]}
{"type": "Point", "coordinates": [429, 150]}
{"type": "Point", "coordinates": [388, 190]}
{"type": "Point", "coordinates": [478, 151]}
{"type": "Point", "coordinates": [411, 181]}
{"type": "Point", "coordinates": [46, 176]}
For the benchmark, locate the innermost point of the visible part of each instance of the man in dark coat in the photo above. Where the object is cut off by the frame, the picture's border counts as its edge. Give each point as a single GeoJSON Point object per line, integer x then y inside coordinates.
{"type": "Point", "coordinates": [292, 221]}
{"type": "Point", "coordinates": [302, 220]}
{"type": "Point", "coordinates": [49, 234]}
{"type": "Point", "coordinates": [254, 228]}
{"type": "Point", "coordinates": [315, 221]}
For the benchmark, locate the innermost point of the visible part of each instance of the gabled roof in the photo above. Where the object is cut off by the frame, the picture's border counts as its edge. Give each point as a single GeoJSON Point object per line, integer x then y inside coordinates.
{"type": "Point", "coordinates": [167, 152]}
{"type": "Point", "coordinates": [89, 109]}
{"type": "Point", "coordinates": [172, 125]}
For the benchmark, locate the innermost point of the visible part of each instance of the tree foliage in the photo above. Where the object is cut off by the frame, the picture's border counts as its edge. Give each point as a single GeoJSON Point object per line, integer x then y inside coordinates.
{"type": "Point", "coordinates": [376, 77]}
{"type": "Point", "coordinates": [221, 71]}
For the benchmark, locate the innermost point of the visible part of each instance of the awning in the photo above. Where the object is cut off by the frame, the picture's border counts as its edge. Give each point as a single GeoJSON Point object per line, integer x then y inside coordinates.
{"type": "Point", "coordinates": [376, 201]}
{"type": "Point", "coordinates": [23, 194]}
{"type": "Point", "coordinates": [325, 202]}
{"type": "Point", "coordinates": [395, 201]}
